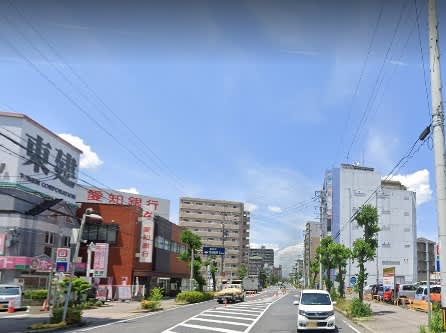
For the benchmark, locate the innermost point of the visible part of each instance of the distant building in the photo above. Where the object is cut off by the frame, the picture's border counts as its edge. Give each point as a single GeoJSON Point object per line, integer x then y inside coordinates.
{"type": "Point", "coordinates": [219, 223]}
{"type": "Point", "coordinates": [277, 272]}
{"type": "Point", "coordinates": [256, 264]}
{"type": "Point", "coordinates": [266, 254]}
{"type": "Point", "coordinates": [313, 231]}
{"type": "Point", "coordinates": [421, 258]}
{"type": "Point", "coordinates": [349, 187]}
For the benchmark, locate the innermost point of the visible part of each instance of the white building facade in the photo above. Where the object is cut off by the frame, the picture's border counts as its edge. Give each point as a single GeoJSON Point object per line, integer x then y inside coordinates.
{"type": "Point", "coordinates": [352, 186]}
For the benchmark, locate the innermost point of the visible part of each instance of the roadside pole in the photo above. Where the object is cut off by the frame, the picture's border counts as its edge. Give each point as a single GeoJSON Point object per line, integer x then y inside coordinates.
{"type": "Point", "coordinates": [428, 278]}
{"type": "Point", "coordinates": [191, 268]}
{"type": "Point", "coordinates": [438, 142]}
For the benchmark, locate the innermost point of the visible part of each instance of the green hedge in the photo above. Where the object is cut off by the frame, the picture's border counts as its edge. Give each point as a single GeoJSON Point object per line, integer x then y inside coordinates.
{"type": "Point", "coordinates": [193, 297]}
{"type": "Point", "coordinates": [39, 294]}
{"type": "Point", "coordinates": [360, 309]}
{"type": "Point", "coordinates": [74, 316]}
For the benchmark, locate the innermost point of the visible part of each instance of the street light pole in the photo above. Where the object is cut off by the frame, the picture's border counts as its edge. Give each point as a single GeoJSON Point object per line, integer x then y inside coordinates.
{"type": "Point", "coordinates": [88, 213]}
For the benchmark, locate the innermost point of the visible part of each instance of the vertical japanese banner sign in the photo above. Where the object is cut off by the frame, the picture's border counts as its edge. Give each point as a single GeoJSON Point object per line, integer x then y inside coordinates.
{"type": "Point", "coordinates": [389, 278]}
{"type": "Point", "coordinates": [147, 226]}
{"type": "Point", "coordinates": [2, 243]}
{"type": "Point", "coordinates": [100, 263]}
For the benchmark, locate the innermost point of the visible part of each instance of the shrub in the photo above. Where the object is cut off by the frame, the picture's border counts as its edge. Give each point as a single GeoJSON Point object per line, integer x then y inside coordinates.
{"type": "Point", "coordinates": [193, 296]}
{"type": "Point", "coordinates": [360, 309]}
{"type": "Point", "coordinates": [422, 329]}
{"type": "Point", "coordinates": [74, 316]}
{"type": "Point", "coordinates": [436, 324]}
{"type": "Point", "coordinates": [43, 326]}
{"type": "Point", "coordinates": [39, 294]}
{"type": "Point", "coordinates": [150, 305]}
{"type": "Point", "coordinates": [156, 294]}
{"type": "Point", "coordinates": [333, 294]}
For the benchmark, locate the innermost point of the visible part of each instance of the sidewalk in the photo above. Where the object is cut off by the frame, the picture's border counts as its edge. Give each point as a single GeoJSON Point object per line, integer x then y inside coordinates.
{"type": "Point", "coordinates": [395, 319]}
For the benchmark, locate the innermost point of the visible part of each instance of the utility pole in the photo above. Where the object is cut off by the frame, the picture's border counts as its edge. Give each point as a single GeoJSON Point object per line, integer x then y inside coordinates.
{"type": "Point", "coordinates": [428, 279]}
{"type": "Point", "coordinates": [191, 267]}
{"type": "Point", "coordinates": [438, 142]}
{"type": "Point", "coordinates": [377, 262]}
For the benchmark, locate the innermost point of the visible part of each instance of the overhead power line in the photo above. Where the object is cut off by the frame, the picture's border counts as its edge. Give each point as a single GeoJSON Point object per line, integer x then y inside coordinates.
{"type": "Point", "coordinates": [76, 104]}
{"type": "Point", "coordinates": [423, 138]}
{"type": "Point", "coordinates": [376, 85]}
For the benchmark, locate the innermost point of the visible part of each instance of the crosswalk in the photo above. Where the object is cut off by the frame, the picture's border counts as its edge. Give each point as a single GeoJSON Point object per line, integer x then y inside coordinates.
{"type": "Point", "coordinates": [236, 318]}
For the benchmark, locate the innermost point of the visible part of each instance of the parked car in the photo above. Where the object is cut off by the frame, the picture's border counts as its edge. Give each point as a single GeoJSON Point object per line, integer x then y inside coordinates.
{"type": "Point", "coordinates": [315, 311]}
{"type": "Point", "coordinates": [11, 292]}
{"type": "Point", "coordinates": [407, 291]}
{"type": "Point", "coordinates": [435, 293]}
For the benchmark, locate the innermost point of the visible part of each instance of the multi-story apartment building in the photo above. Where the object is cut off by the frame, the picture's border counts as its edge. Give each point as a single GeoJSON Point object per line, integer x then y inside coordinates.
{"type": "Point", "coordinates": [422, 260]}
{"type": "Point", "coordinates": [312, 237]}
{"type": "Point", "coordinates": [219, 223]}
{"type": "Point", "coordinates": [352, 187]}
{"type": "Point", "coordinates": [266, 254]}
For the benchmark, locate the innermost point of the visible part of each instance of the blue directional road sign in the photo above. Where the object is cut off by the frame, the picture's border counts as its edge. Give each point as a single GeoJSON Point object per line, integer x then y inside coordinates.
{"type": "Point", "coordinates": [218, 251]}
{"type": "Point", "coordinates": [353, 280]}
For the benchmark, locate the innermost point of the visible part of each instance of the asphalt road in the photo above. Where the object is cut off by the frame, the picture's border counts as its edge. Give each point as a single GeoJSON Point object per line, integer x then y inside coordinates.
{"type": "Point", "coordinates": [270, 311]}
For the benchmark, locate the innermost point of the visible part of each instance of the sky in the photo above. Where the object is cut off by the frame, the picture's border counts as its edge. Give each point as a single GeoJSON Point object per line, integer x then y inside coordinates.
{"type": "Point", "coordinates": [237, 100]}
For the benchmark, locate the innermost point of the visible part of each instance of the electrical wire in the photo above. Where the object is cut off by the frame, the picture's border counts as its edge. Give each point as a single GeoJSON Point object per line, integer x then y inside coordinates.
{"type": "Point", "coordinates": [93, 92]}
{"type": "Point", "coordinates": [423, 63]}
{"type": "Point", "coordinates": [361, 75]}
{"type": "Point", "coordinates": [80, 108]}
{"type": "Point", "coordinates": [402, 162]}
{"type": "Point", "coordinates": [376, 86]}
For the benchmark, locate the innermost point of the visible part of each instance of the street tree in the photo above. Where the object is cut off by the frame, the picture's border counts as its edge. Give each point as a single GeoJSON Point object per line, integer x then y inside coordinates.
{"type": "Point", "coordinates": [314, 271]}
{"type": "Point", "coordinates": [340, 254]}
{"type": "Point", "coordinates": [263, 278]}
{"type": "Point", "coordinates": [326, 258]}
{"type": "Point", "coordinates": [193, 242]}
{"type": "Point", "coordinates": [364, 249]}
{"type": "Point", "coordinates": [243, 271]}
{"type": "Point", "coordinates": [212, 264]}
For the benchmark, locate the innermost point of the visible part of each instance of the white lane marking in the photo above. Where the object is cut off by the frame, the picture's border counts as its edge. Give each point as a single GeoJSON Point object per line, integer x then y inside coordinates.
{"type": "Point", "coordinates": [241, 310]}
{"type": "Point", "coordinates": [222, 316]}
{"type": "Point", "coordinates": [220, 321]}
{"type": "Point", "coordinates": [135, 318]}
{"type": "Point", "coordinates": [266, 309]}
{"type": "Point", "coordinates": [232, 312]}
{"type": "Point", "coordinates": [215, 329]}
{"type": "Point", "coordinates": [16, 316]}
{"type": "Point", "coordinates": [354, 329]}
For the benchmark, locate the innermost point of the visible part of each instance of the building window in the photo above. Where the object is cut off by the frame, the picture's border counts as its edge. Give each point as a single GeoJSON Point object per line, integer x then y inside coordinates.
{"type": "Point", "coordinates": [47, 251]}
{"type": "Point", "coordinates": [49, 238]}
{"type": "Point", "coordinates": [66, 241]}
{"type": "Point", "coordinates": [186, 202]}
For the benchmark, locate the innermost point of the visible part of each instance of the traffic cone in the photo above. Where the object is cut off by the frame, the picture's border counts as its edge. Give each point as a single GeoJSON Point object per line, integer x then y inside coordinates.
{"type": "Point", "coordinates": [11, 308]}
{"type": "Point", "coordinates": [45, 305]}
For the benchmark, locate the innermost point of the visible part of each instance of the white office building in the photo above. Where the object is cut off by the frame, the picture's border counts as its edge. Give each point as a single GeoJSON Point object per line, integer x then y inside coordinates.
{"type": "Point", "coordinates": [352, 186]}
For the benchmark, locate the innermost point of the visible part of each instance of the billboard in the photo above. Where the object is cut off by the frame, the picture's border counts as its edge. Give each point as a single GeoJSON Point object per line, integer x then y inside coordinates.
{"type": "Point", "coordinates": [389, 278]}
{"type": "Point", "coordinates": [105, 196]}
{"type": "Point", "coordinates": [39, 160]}
{"type": "Point", "coordinates": [100, 262]}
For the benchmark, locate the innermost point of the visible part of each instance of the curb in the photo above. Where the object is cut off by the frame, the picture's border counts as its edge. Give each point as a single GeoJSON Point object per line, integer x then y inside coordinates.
{"type": "Point", "coordinates": [81, 324]}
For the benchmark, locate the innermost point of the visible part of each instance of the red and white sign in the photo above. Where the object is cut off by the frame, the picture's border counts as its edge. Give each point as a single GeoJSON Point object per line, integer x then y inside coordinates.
{"type": "Point", "coordinates": [147, 232]}
{"type": "Point", "coordinates": [100, 263]}
{"type": "Point", "coordinates": [2, 243]}
{"type": "Point", "coordinates": [12, 262]}
{"type": "Point", "coordinates": [63, 254]}
{"type": "Point", "coordinates": [105, 196]}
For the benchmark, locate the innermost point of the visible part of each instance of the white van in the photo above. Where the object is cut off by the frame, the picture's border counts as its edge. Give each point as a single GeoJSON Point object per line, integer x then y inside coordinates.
{"type": "Point", "coordinates": [10, 292]}
{"type": "Point", "coordinates": [315, 311]}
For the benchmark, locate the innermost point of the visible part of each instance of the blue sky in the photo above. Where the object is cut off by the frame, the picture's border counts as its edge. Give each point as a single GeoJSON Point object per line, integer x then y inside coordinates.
{"type": "Point", "coordinates": [244, 101]}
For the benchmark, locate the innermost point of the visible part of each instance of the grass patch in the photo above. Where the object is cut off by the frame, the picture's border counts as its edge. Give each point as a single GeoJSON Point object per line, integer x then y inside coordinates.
{"type": "Point", "coordinates": [343, 305]}
{"type": "Point", "coordinates": [42, 326]}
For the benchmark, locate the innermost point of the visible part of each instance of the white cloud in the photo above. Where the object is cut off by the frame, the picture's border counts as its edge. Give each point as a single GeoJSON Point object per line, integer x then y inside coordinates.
{"type": "Point", "coordinates": [275, 209]}
{"type": "Point", "coordinates": [250, 207]}
{"type": "Point", "coordinates": [132, 190]}
{"type": "Point", "coordinates": [417, 182]}
{"type": "Point", "coordinates": [380, 150]}
{"type": "Point", "coordinates": [287, 257]}
{"type": "Point", "coordinates": [89, 159]}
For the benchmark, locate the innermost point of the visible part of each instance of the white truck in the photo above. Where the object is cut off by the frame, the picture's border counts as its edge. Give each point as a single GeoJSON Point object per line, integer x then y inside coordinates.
{"type": "Point", "coordinates": [232, 292]}
{"type": "Point", "coordinates": [251, 283]}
